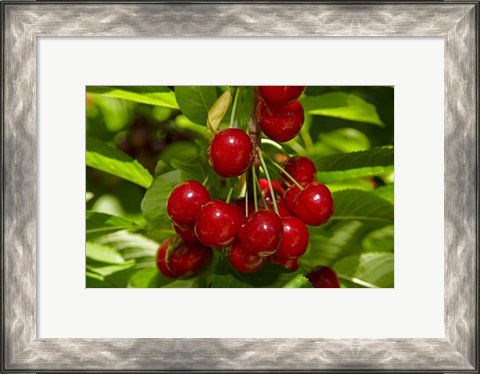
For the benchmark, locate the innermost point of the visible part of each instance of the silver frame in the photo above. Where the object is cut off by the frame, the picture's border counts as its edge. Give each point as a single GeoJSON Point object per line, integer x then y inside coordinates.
{"type": "Point", "coordinates": [23, 22]}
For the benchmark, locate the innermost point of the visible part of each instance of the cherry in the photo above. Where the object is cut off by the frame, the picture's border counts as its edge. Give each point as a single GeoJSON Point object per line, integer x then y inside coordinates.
{"type": "Point", "coordinates": [161, 260]}
{"type": "Point", "coordinates": [323, 277]}
{"type": "Point", "coordinates": [230, 152]}
{"type": "Point", "coordinates": [282, 208]}
{"type": "Point", "coordinates": [300, 168]}
{"type": "Point", "coordinates": [290, 196]}
{"type": "Point", "coordinates": [280, 95]}
{"type": "Point", "coordinates": [261, 233]}
{"type": "Point", "coordinates": [280, 123]}
{"type": "Point", "coordinates": [291, 264]}
{"type": "Point", "coordinates": [265, 187]}
{"type": "Point", "coordinates": [218, 223]}
{"type": "Point", "coordinates": [187, 233]}
{"type": "Point", "coordinates": [242, 260]}
{"type": "Point", "coordinates": [185, 202]}
{"type": "Point", "coordinates": [295, 238]}
{"type": "Point", "coordinates": [314, 205]}
{"type": "Point", "coordinates": [188, 258]}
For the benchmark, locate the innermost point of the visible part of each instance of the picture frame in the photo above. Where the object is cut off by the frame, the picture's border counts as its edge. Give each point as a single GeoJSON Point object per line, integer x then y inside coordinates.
{"type": "Point", "coordinates": [23, 22]}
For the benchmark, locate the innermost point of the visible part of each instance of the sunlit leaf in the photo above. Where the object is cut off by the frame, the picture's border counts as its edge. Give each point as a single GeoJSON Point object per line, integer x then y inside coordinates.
{"type": "Point", "coordinates": [153, 95]}
{"type": "Point", "coordinates": [196, 101]}
{"type": "Point", "coordinates": [99, 224]}
{"type": "Point", "coordinates": [218, 110]}
{"type": "Point", "coordinates": [110, 160]}
{"type": "Point", "coordinates": [341, 105]}
{"type": "Point", "coordinates": [103, 253]}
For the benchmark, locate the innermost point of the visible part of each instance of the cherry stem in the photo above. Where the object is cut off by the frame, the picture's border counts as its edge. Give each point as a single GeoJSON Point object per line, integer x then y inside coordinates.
{"type": "Point", "coordinates": [292, 179]}
{"type": "Point", "coordinates": [229, 194]}
{"type": "Point", "coordinates": [234, 109]}
{"type": "Point", "coordinates": [246, 202]}
{"type": "Point", "coordinates": [254, 176]}
{"type": "Point", "coordinates": [205, 181]}
{"type": "Point", "coordinates": [267, 174]}
{"type": "Point", "coordinates": [257, 182]}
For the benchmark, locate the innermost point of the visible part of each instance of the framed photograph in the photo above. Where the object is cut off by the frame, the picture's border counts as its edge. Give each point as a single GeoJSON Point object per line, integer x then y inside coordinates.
{"type": "Point", "coordinates": [239, 187]}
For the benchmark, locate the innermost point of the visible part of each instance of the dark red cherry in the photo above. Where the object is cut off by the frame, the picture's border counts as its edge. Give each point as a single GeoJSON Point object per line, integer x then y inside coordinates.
{"type": "Point", "coordinates": [291, 264]}
{"type": "Point", "coordinates": [290, 197]}
{"type": "Point", "coordinates": [261, 232]}
{"type": "Point", "coordinates": [187, 258]}
{"type": "Point", "coordinates": [241, 204]}
{"type": "Point", "coordinates": [282, 209]}
{"type": "Point", "coordinates": [295, 238]}
{"type": "Point", "coordinates": [161, 260]}
{"type": "Point", "coordinates": [265, 187]}
{"type": "Point", "coordinates": [301, 169]}
{"type": "Point", "coordinates": [323, 277]}
{"type": "Point", "coordinates": [242, 260]}
{"type": "Point", "coordinates": [280, 95]}
{"type": "Point", "coordinates": [185, 201]}
{"type": "Point", "coordinates": [280, 123]}
{"type": "Point", "coordinates": [314, 205]}
{"type": "Point", "coordinates": [230, 152]}
{"type": "Point", "coordinates": [187, 233]}
{"type": "Point", "coordinates": [218, 223]}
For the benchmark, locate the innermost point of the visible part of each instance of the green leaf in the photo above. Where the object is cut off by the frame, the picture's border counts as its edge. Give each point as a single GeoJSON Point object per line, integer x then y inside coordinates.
{"type": "Point", "coordinates": [148, 278]}
{"type": "Point", "coordinates": [349, 184]}
{"type": "Point", "coordinates": [344, 166]}
{"type": "Point", "coordinates": [103, 253]}
{"type": "Point", "coordinates": [153, 95]}
{"type": "Point", "coordinates": [96, 281]}
{"type": "Point", "coordinates": [373, 268]}
{"type": "Point", "coordinates": [196, 101]}
{"type": "Point", "coordinates": [385, 192]}
{"type": "Point", "coordinates": [363, 206]}
{"type": "Point", "coordinates": [99, 224]}
{"type": "Point", "coordinates": [341, 105]}
{"type": "Point", "coordinates": [298, 282]}
{"type": "Point", "coordinates": [154, 203]}
{"type": "Point", "coordinates": [342, 239]}
{"type": "Point", "coordinates": [381, 240]}
{"type": "Point", "coordinates": [116, 275]}
{"type": "Point", "coordinates": [218, 110]}
{"type": "Point", "coordinates": [193, 169]}
{"type": "Point", "coordinates": [270, 276]}
{"type": "Point", "coordinates": [110, 160]}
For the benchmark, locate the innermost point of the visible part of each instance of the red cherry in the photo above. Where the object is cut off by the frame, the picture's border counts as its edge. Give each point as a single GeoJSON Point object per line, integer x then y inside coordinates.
{"type": "Point", "coordinates": [301, 169]}
{"type": "Point", "coordinates": [295, 238]}
{"type": "Point", "coordinates": [230, 152]}
{"type": "Point", "coordinates": [290, 197]}
{"type": "Point", "coordinates": [261, 233]}
{"type": "Point", "coordinates": [291, 264]}
{"type": "Point", "coordinates": [187, 233]}
{"type": "Point", "coordinates": [280, 123]}
{"type": "Point", "coordinates": [218, 223]}
{"type": "Point", "coordinates": [323, 277]}
{"type": "Point", "coordinates": [314, 205]}
{"type": "Point", "coordinates": [280, 95]}
{"type": "Point", "coordinates": [282, 209]}
{"type": "Point", "coordinates": [265, 187]}
{"type": "Point", "coordinates": [187, 258]}
{"type": "Point", "coordinates": [244, 261]}
{"type": "Point", "coordinates": [161, 261]}
{"type": "Point", "coordinates": [185, 202]}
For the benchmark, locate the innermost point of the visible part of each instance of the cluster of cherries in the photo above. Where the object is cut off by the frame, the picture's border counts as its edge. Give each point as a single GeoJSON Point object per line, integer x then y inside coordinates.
{"type": "Point", "coordinates": [272, 230]}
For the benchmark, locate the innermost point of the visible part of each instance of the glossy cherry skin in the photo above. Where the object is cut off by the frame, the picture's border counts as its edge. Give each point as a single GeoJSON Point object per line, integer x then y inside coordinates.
{"type": "Point", "coordinates": [265, 187]}
{"type": "Point", "coordinates": [295, 238]}
{"type": "Point", "coordinates": [300, 168]}
{"type": "Point", "coordinates": [280, 95]}
{"type": "Point", "coordinates": [230, 152]}
{"type": "Point", "coordinates": [242, 260]}
{"type": "Point", "coordinates": [290, 197]}
{"type": "Point", "coordinates": [323, 277]}
{"type": "Point", "coordinates": [314, 205]}
{"type": "Point", "coordinates": [185, 201]}
{"type": "Point", "coordinates": [291, 264]}
{"type": "Point", "coordinates": [218, 223]}
{"type": "Point", "coordinates": [161, 260]}
{"type": "Point", "coordinates": [280, 123]}
{"type": "Point", "coordinates": [282, 209]}
{"type": "Point", "coordinates": [187, 258]}
{"type": "Point", "coordinates": [187, 233]}
{"type": "Point", "coordinates": [261, 232]}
